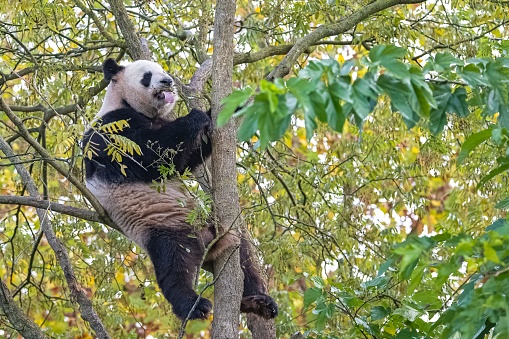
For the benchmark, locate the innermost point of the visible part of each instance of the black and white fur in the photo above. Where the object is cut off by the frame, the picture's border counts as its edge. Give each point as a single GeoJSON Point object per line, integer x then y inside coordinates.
{"type": "Point", "coordinates": [144, 95]}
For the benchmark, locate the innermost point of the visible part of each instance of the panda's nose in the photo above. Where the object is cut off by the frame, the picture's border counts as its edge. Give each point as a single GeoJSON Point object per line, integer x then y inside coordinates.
{"type": "Point", "coordinates": [167, 81]}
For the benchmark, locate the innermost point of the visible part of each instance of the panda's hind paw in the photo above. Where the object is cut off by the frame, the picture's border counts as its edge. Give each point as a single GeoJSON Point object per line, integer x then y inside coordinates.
{"type": "Point", "coordinates": [260, 304]}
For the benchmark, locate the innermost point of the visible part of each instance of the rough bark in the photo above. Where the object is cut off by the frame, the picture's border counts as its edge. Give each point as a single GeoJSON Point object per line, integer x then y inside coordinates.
{"type": "Point", "coordinates": [17, 318]}
{"type": "Point", "coordinates": [88, 312]}
{"type": "Point", "coordinates": [229, 284]}
{"type": "Point", "coordinates": [136, 47]}
{"type": "Point", "coordinates": [261, 328]}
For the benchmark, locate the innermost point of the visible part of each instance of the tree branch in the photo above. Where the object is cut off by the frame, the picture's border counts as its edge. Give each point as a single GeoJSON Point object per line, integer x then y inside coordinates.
{"type": "Point", "coordinates": [459, 42]}
{"type": "Point", "coordinates": [95, 19]}
{"type": "Point", "coordinates": [193, 93]}
{"type": "Point", "coordinates": [21, 323]}
{"type": "Point", "coordinates": [249, 57]}
{"type": "Point", "coordinates": [328, 30]}
{"type": "Point", "coordinates": [77, 294]}
{"type": "Point", "coordinates": [137, 48]}
{"type": "Point", "coordinates": [57, 166]}
{"type": "Point", "coordinates": [51, 206]}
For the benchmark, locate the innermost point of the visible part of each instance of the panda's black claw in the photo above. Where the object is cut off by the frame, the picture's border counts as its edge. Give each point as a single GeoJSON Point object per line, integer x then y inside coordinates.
{"type": "Point", "coordinates": [201, 311]}
{"type": "Point", "coordinates": [260, 304]}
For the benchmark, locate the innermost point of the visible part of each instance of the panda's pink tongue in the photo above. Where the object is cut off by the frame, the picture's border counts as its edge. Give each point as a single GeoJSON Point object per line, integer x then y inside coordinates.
{"type": "Point", "coordinates": [168, 97]}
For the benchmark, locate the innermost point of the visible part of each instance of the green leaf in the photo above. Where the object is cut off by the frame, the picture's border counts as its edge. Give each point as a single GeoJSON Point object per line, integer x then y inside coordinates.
{"type": "Point", "coordinates": [458, 102]}
{"type": "Point", "coordinates": [503, 117]}
{"type": "Point", "coordinates": [318, 281]}
{"type": "Point", "coordinates": [231, 103]}
{"type": "Point", "coordinates": [447, 102]}
{"type": "Point", "coordinates": [249, 126]}
{"type": "Point", "coordinates": [382, 53]}
{"type": "Point", "coordinates": [341, 88]}
{"type": "Point", "coordinates": [496, 225]}
{"type": "Point", "coordinates": [379, 312]}
{"type": "Point", "coordinates": [387, 264]}
{"type": "Point", "coordinates": [493, 173]}
{"type": "Point", "coordinates": [332, 109]}
{"type": "Point", "coordinates": [362, 93]}
{"type": "Point", "coordinates": [445, 270]}
{"type": "Point", "coordinates": [493, 102]}
{"type": "Point", "coordinates": [422, 88]}
{"type": "Point", "coordinates": [378, 282]}
{"type": "Point", "coordinates": [410, 255]}
{"type": "Point", "coordinates": [313, 71]}
{"type": "Point", "coordinates": [416, 277]}
{"type": "Point", "coordinates": [502, 204]}
{"type": "Point", "coordinates": [321, 320]}
{"type": "Point", "coordinates": [311, 295]}
{"type": "Point", "coordinates": [472, 75]}
{"type": "Point", "coordinates": [387, 56]}
{"type": "Point", "coordinates": [445, 60]}
{"type": "Point", "coordinates": [407, 312]}
{"type": "Point", "coordinates": [310, 122]}
{"type": "Point", "coordinates": [272, 92]}
{"type": "Point", "coordinates": [438, 115]}
{"type": "Point", "coordinates": [472, 142]}
{"type": "Point", "coordinates": [301, 89]}
{"type": "Point", "coordinates": [318, 100]}
{"type": "Point", "coordinates": [399, 92]}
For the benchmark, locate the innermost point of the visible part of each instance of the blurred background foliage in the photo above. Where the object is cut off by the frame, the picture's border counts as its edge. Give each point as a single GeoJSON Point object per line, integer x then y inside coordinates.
{"type": "Point", "coordinates": [372, 231]}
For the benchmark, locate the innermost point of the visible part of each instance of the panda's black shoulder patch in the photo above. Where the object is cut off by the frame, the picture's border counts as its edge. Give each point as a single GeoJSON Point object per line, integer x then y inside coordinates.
{"type": "Point", "coordinates": [147, 78]}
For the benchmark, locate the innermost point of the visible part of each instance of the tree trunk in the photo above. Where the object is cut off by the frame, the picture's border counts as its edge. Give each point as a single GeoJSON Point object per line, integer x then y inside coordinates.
{"type": "Point", "coordinates": [229, 284]}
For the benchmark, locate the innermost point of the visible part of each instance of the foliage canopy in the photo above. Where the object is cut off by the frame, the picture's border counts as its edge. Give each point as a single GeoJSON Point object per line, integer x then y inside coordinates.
{"type": "Point", "coordinates": [373, 177]}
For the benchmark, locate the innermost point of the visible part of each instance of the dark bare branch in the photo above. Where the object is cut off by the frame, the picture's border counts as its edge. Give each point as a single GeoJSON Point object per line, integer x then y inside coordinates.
{"type": "Point", "coordinates": [51, 206]}
{"type": "Point", "coordinates": [332, 29]}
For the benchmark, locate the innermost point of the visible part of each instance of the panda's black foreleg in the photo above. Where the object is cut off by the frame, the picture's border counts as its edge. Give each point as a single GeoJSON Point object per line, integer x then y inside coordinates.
{"type": "Point", "coordinates": [176, 256]}
{"type": "Point", "coordinates": [254, 299]}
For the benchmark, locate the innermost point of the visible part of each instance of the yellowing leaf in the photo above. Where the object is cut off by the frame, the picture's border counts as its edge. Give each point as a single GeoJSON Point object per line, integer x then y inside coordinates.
{"type": "Point", "coordinates": [436, 203]}
{"type": "Point", "coordinates": [389, 329]}
{"type": "Point", "coordinates": [490, 253]}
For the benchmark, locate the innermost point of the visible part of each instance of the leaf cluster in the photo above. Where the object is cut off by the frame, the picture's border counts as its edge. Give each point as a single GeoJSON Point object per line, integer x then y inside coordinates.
{"type": "Point", "coordinates": [326, 91]}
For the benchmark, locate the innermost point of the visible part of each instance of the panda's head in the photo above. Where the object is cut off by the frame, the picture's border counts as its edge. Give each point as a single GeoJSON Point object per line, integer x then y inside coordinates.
{"type": "Point", "coordinates": [143, 85]}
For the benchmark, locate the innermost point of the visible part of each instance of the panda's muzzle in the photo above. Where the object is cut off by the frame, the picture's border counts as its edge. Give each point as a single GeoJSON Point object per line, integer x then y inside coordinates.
{"type": "Point", "coordinates": [167, 82]}
{"type": "Point", "coordinates": [166, 91]}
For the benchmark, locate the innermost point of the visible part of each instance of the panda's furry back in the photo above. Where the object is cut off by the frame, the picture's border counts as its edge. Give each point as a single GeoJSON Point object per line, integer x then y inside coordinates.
{"type": "Point", "coordinates": [137, 207]}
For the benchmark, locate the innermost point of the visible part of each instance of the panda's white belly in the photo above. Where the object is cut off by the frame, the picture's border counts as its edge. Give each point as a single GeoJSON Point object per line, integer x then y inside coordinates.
{"type": "Point", "coordinates": [136, 207]}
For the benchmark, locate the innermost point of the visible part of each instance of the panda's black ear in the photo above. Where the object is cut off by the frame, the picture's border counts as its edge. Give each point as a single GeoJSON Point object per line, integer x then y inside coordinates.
{"type": "Point", "coordinates": [110, 68]}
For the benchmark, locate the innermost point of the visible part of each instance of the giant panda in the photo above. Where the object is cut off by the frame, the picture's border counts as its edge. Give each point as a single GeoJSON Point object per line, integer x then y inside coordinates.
{"type": "Point", "coordinates": [143, 94]}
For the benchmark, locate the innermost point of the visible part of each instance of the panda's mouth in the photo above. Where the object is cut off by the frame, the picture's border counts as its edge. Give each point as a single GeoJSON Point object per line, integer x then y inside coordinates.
{"type": "Point", "coordinates": [168, 97]}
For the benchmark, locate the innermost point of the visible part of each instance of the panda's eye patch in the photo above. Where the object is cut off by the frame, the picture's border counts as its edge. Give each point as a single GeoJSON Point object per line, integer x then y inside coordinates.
{"type": "Point", "coordinates": [147, 77]}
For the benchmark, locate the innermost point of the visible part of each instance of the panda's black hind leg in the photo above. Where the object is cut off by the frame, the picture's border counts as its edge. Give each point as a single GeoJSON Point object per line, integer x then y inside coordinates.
{"type": "Point", "coordinates": [176, 256]}
{"type": "Point", "coordinates": [254, 299]}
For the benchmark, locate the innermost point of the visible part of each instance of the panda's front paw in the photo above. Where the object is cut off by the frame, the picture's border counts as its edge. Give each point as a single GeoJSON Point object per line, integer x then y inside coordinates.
{"type": "Point", "coordinates": [200, 311]}
{"type": "Point", "coordinates": [260, 304]}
